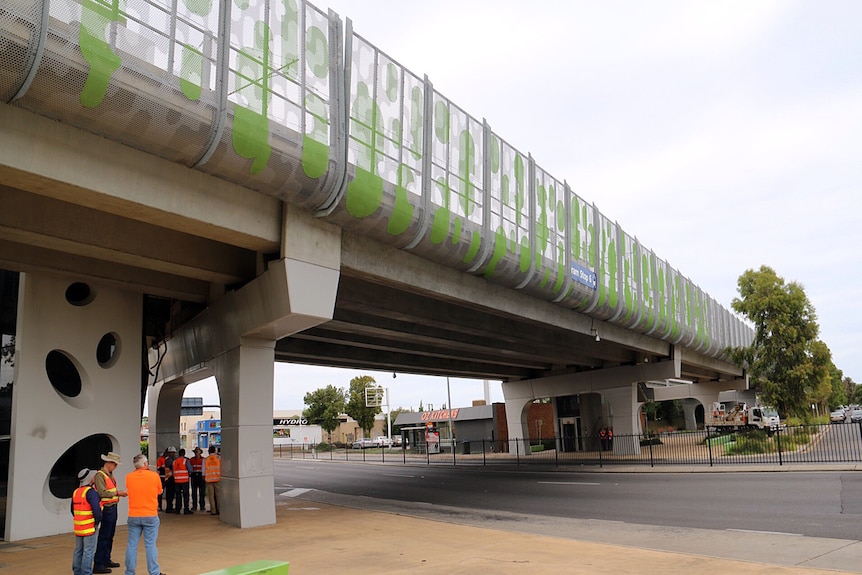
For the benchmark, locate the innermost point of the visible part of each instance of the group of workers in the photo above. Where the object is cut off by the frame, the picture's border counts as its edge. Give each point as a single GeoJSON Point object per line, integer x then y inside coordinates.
{"type": "Point", "coordinates": [190, 481]}
{"type": "Point", "coordinates": [94, 505]}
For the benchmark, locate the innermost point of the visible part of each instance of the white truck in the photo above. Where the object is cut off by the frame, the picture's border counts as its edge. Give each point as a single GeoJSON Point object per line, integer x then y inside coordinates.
{"type": "Point", "coordinates": [738, 417]}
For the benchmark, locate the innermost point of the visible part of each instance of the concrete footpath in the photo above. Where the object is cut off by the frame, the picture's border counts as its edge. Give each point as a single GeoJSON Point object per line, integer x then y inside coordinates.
{"type": "Point", "coordinates": [320, 538]}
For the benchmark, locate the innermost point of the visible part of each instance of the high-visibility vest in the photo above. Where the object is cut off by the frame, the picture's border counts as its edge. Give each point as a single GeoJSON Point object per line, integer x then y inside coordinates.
{"type": "Point", "coordinates": [181, 473]}
{"type": "Point", "coordinates": [111, 488]}
{"type": "Point", "coordinates": [197, 464]}
{"type": "Point", "coordinates": [83, 522]}
{"type": "Point", "coordinates": [160, 464]}
{"type": "Point", "coordinates": [213, 469]}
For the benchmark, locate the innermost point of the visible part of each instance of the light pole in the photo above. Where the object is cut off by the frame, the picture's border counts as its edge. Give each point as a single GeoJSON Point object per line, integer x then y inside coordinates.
{"type": "Point", "coordinates": [449, 403]}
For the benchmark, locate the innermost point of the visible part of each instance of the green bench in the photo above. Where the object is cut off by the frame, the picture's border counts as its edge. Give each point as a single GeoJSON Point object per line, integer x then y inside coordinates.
{"type": "Point", "coordinates": [261, 567]}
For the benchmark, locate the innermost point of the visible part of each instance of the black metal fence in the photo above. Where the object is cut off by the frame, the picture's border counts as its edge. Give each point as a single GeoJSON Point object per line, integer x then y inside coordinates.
{"type": "Point", "coordinates": [837, 443]}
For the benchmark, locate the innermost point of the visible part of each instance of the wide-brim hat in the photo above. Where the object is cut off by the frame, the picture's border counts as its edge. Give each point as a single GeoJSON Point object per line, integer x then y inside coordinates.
{"type": "Point", "coordinates": [111, 457]}
{"type": "Point", "coordinates": [198, 450]}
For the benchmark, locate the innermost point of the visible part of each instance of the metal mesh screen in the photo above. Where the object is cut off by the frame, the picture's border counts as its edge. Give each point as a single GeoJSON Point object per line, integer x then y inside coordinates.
{"type": "Point", "coordinates": [20, 22]}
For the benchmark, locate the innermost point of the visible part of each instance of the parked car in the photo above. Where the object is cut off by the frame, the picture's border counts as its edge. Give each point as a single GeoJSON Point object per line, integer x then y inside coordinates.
{"type": "Point", "coordinates": [838, 416]}
{"type": "Point", "coordinates": [856, 416]}
{"type": "Point", "coordinates": [363, 443]}
{"type": "Point", "coordinates": [382, 441]}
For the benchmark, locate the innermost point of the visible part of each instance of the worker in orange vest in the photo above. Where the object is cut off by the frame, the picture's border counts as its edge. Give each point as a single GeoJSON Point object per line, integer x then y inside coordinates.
{"type": "Point", "coordinates": [198, 496]}
{"type": "Point", "coordinates": [86, 516]}
{"type": "Point", "coordinates": [182, 475]}
{"type": "Point", "coordinates": [212, 476]}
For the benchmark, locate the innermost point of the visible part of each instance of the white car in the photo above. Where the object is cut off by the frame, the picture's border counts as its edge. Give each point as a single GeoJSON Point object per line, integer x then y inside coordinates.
{"type": "Point", "coordinates": [382, 441]}
{"type": "Point", "coordinates": [363, 443]}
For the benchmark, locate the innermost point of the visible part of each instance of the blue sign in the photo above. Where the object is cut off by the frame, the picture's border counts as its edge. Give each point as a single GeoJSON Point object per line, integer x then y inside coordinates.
{"type": "Point", "coordinates": [585, 276]}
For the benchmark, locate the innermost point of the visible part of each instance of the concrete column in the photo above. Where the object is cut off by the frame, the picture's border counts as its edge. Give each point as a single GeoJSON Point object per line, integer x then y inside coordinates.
{"type": "Point", "coordinates": [245, 381]}
{"type": "Point", "coordinates": [624, 410]}
{"type": "Point", "coordinates": [163, 417]}
{"type": "Point", "coordinates": [689, 406]}
{"type": "Point", "coordinates": [89, 401]}
{"type": "Point", "coordinates": [518, 397]}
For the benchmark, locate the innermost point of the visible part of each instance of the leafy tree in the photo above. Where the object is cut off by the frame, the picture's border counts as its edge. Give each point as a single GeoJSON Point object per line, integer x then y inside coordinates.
{"type": "Point", "coordinates": [786, 361]}
{"type": "Point", "coordinates": [396, 429]}
{"type": "Point", "coordinates": [839, 393]}
{"type": "Point", "coordinates": [356, 408]}
{"type": "Point", "coordinates": [324, 407]}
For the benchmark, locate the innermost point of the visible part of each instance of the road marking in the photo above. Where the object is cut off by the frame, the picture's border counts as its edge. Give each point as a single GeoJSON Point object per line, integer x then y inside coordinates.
{"type": "Point", "coordinates": [566, 483]}
{"type": "Point", "coordinates": [396, 475]}
{"type": "Point", "coordinates": [295, 492]}
{"type": "Point", "coordinates": [765, 532]}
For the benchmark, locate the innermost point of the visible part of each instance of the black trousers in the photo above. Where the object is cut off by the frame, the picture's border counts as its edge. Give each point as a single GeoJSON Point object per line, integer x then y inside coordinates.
{"type": "Point", "coordinates": [170, 493]}
{"type": "Point", "coordinates": [199, 491]}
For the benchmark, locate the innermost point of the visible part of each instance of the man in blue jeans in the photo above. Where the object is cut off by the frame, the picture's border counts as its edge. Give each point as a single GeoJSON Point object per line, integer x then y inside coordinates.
{"type": "Point", "coordinates": [86, 515]}
{"type": "Point", "coordinates": [110, 494]}
{"type": "Point", "coordinates": [144, 487]}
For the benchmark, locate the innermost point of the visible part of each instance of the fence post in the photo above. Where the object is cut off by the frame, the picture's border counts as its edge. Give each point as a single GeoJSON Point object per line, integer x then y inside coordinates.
{"type": "Point", "coordinates": [600, 455]}
{"type": "Point", "coordinates": [484, 463]}
{"type": "Point", "coordinates": [454, 462]}
{"type": "Point", "coordinates": [709, 445]}
{"type": "Point", "coordinates": [517, 452]}
{"type": "Point", "coordinates": [556, 452]}
{"type": "Point", "coordinates": [778, 441]}
{"type": "Point", "coordinates": [649, 441]}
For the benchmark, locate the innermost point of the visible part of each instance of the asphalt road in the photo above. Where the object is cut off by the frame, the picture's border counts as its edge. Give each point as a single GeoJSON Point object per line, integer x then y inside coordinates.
{"type": "Point", "coordinates": [812, 504]}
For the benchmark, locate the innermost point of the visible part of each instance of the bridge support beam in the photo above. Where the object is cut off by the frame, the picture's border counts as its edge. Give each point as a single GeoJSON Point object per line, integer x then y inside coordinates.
{"type": "Point", "coordinates": [245, 380]}
{"type": "Point", "coordinates": [234, 339]}
{"type": "Point", "coordinates": [617, 385]}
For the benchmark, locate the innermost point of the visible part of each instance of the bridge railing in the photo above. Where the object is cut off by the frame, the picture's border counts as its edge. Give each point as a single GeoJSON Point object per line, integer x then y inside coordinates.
{"type": "Point", "coordinates": [282, 98]}
{"type": "Point", "coordinates": [838, 443]}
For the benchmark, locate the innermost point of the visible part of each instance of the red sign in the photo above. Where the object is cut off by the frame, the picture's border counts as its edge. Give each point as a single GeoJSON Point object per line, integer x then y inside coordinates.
{"type": "Point", "coordinates": [440, 415]}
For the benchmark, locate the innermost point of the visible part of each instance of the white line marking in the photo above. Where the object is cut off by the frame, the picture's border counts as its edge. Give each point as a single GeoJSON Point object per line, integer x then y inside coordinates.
{"type": "Point", "coordinates": [765, 532]}
{"type": "Point", "coordinates": [295, 492]}
{"type": "Point", "coordinates": [566, 483]}
{"type": "Point", "coordinates": [396, 475]}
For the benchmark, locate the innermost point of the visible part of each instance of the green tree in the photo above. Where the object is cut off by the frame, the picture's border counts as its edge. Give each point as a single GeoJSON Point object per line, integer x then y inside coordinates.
{"type": "Point", "coordinates": [839, 393]}
{"type": "Point", "coordinates": [324, 407]}
{"type": "Point", "coordinates": [356, 407]}
{"type": "Point", "coordinates": [786, 361]}
{"type": "Point", "coordinates": [396, 429]}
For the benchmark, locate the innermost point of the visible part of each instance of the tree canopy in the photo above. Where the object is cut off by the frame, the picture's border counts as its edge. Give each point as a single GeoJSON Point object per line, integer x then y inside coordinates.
{"type": "Point", "coordinates": [786, 362]}
{"type": "Point", "coordinates": [324, 407]}
{"type": "Point", "coordinates": [356, 407]}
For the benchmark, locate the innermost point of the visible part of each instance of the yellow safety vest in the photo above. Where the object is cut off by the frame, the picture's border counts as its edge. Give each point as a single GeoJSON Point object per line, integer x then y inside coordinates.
{"type": "Point", "coordinates": [111, 488]}
{"type": "Point", "coordinates": [83, 522]}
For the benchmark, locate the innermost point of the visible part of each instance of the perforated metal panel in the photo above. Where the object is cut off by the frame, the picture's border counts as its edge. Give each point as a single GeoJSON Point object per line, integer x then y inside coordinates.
{"type": "Point", "coordinates": [279, 119]}
{"type": "Point", "coordinates": [386, 131]}
{"type": "Point", "coordinates": [20, 26]}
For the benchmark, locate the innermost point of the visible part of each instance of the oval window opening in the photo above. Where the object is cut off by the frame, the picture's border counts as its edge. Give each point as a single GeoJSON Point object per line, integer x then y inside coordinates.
{"type": "Point", "coordinates": [79, 294]}
{"type": "Point", "coordinates": [84, 454]}
{"type": "Point", "coordinates": [108, 350]}
{"type": "Point", "coordinates": [63, 374]}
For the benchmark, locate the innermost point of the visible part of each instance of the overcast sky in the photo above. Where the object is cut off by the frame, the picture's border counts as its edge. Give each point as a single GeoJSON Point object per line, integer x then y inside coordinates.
{"type": "Point", "coordinates": [723, 135]}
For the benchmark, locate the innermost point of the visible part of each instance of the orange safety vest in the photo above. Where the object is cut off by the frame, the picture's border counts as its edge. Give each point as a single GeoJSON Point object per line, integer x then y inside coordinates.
{"type": "Point", "coordinates": [212, 464]}
{"type": "Point", "coordinates": [83, 522]}
{"type": "Point", "coordinates": [181, 473]}
{"type": "Point", "coordinates": [197, 464]}
{"type": "Point", "coordinates": [111, 488]}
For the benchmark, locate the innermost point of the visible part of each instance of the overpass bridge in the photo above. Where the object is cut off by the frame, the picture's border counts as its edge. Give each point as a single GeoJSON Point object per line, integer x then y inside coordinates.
{"type": "Point", "coordinates": [203, 188]}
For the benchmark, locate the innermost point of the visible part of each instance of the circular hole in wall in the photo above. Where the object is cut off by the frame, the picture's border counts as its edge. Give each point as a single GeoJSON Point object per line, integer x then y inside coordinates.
{"type": "Point", "coordinates": [63, 479]}
{"type": "Point", "coordinates": [62, 373]}
{"type": "Point", "coordinates": [108, 350]}
{"type": "Point", "coordinates": [79, 294]}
